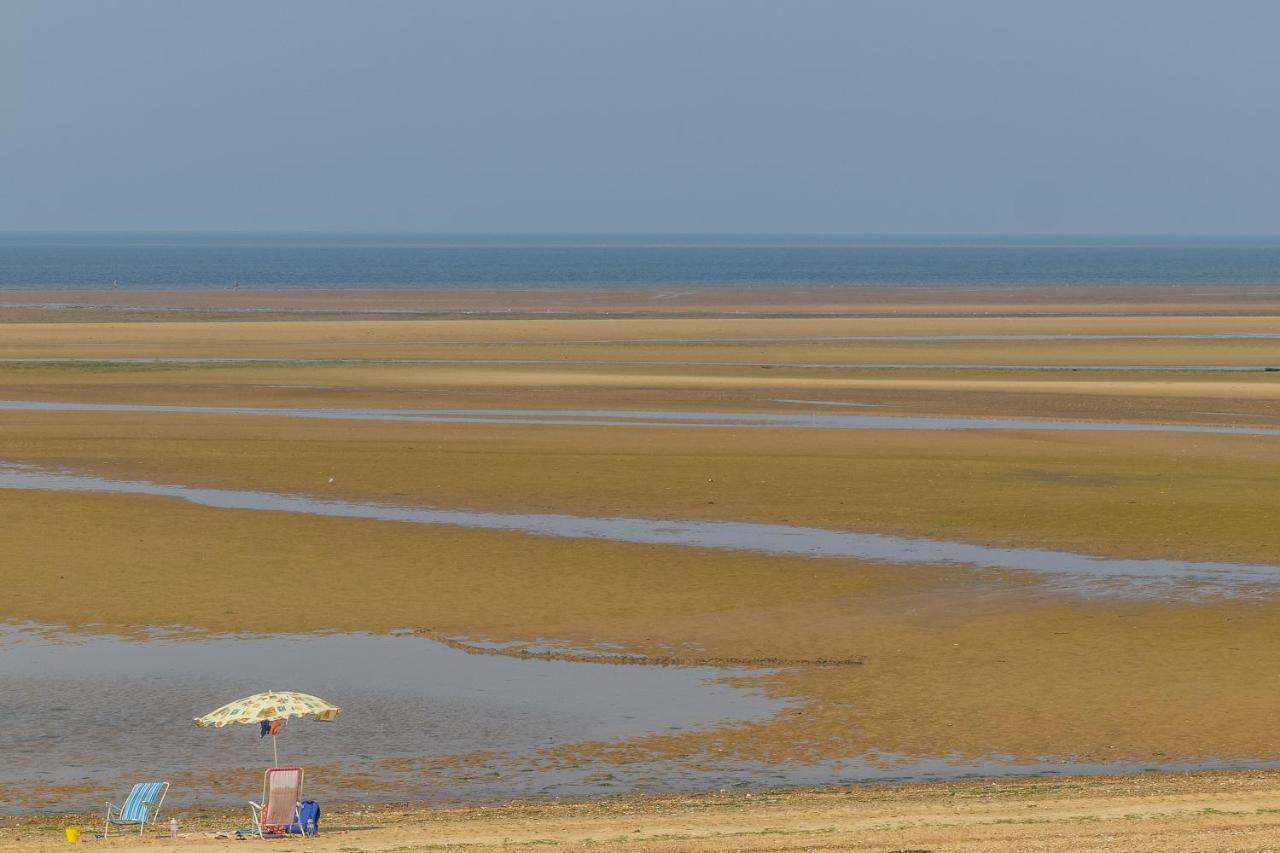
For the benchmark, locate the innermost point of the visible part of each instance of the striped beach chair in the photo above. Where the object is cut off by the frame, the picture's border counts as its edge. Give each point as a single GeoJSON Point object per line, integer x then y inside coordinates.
{"type": "Point", "coordinates": [140, 807]}
{"type": "Point", "coordinates": [281, 793]}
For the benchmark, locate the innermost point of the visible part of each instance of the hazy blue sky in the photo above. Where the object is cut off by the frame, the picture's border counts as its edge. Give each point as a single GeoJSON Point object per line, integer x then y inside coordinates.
{"type": "Point", "coordinates": [691, 115]}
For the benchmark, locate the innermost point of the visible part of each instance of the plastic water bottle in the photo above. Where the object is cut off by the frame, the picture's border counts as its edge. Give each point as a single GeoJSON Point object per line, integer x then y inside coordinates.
{"type": "Point", "coordinates": [173, 827]}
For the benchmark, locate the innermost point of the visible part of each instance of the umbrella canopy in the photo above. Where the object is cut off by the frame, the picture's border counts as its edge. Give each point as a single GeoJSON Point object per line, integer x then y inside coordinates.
{"type": "Point", "coordinates": [272, 705]}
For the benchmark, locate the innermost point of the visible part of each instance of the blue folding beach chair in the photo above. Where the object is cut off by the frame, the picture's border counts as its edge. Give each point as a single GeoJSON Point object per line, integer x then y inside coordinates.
{"type": "Point", "coordinates": [140, 807]}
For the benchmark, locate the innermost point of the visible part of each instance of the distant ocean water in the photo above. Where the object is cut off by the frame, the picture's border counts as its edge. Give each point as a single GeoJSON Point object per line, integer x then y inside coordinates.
{"type": "Point", "coordinates": [346, 260]}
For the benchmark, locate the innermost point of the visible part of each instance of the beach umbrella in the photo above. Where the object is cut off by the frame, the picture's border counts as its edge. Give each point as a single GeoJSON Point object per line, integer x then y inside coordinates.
{"type": "Point", "coordinates": [269, 710]}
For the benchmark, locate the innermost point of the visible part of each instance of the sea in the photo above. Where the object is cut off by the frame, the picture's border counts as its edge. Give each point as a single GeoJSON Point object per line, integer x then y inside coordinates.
{"type": "Point", "coordinates": [260, 260]}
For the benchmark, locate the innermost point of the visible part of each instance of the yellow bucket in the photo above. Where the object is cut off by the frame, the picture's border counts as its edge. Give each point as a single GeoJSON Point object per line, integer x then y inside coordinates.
{"type": "Point", "coordinates": [73, 834]}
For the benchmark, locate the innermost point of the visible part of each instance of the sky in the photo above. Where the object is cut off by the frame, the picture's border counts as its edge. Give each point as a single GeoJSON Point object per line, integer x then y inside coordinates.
{"type": "Point", "coordinates": [793, 116]}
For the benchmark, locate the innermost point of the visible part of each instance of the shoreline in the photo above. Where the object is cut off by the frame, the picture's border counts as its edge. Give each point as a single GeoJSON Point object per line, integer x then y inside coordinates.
{"type": "Point", "coordinates": [1176, 811]}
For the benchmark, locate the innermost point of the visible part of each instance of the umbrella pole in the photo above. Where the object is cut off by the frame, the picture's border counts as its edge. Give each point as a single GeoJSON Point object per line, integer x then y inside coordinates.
{"type": "Point", "coordinates": [275, 754]}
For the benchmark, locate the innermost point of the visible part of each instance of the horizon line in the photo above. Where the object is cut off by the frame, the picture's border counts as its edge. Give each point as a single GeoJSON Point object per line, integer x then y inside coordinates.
{"type": "Point", "coordinates": [325, 232]}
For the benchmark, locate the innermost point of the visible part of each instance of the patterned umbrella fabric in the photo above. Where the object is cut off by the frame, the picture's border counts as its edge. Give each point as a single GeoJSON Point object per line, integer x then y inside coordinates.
{"type": "Point", "coordinates": [272, 705]}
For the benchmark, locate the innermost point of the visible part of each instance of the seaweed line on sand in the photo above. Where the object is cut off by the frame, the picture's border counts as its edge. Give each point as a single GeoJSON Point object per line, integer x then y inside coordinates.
{"type": "Point", "coordinates": [525, 653]}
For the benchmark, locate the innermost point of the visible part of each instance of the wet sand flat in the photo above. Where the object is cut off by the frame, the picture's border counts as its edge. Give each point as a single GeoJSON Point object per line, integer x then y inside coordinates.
{"type": "Point", "coordinates": [1179, 496]}
{"type": "Point", "coordinates": [1018, 391]}
{"type": "Point", "coordinates": [1195, 353]}
{"type": "Point", "coordinates": [944, 663]}
{"type": "Point", "coordinates": [1062, 572]}
{"type": "Point", "coordinates": [953, 664]}
{"type": "Point", "coordinates": [670, 338]}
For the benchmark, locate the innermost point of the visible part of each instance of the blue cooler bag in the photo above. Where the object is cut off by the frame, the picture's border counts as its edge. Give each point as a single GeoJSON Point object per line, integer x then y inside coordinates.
{"type": "Point", "coordinates": [308, 822]}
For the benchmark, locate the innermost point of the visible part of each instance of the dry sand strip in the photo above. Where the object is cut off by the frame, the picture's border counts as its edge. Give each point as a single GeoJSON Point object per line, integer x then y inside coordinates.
{"type": "Point", "coordinates": [1178, 812]}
